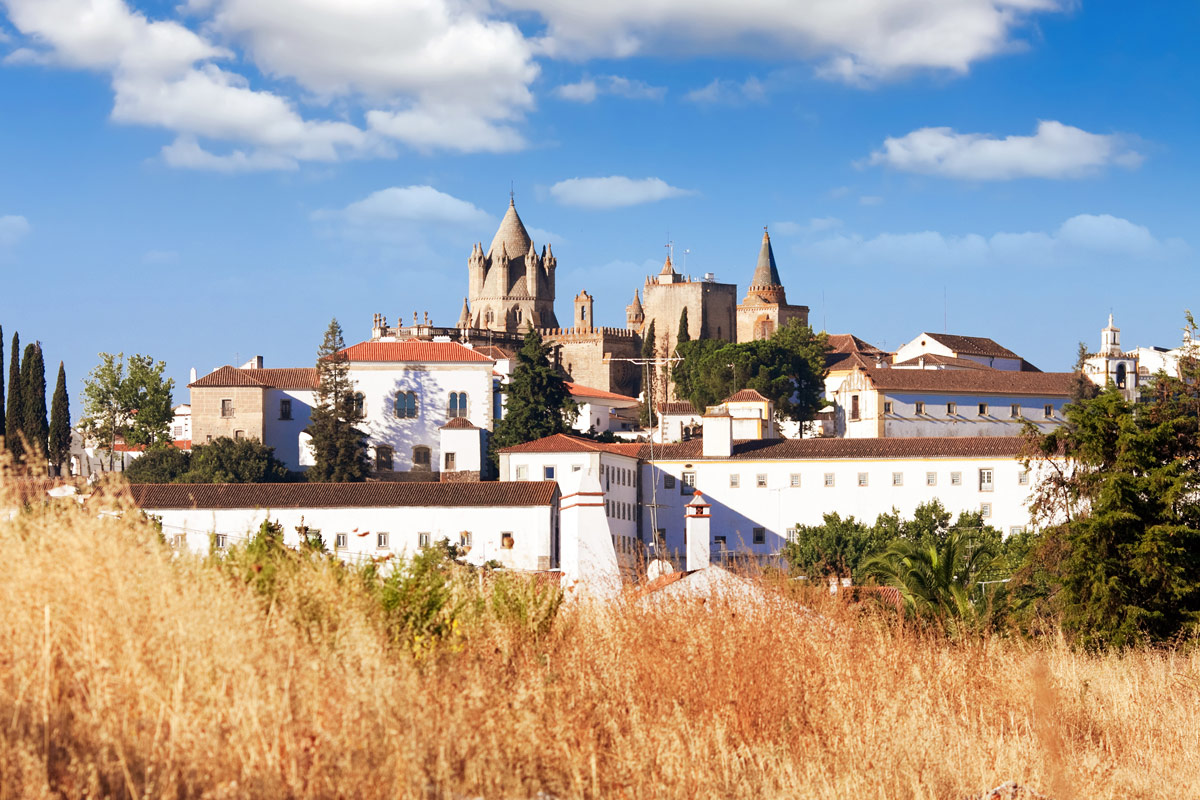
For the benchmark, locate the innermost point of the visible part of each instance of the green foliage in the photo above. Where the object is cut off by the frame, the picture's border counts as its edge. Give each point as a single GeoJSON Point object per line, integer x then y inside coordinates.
{"type": "Point", "coordinates": [537, 403]}
{"type": "Point", "coordinates": [35, 428]}
{"type": "Point", "coordinates": [159, 464]}
{"type": "Point", "coordinates": [788, 368]}
{"type": "Point", "coordinates": [339, 447]}
{"type": "Point", "coordinates": [146, 398]}
{"type": "Point", "coordinates": [835, 547]}
{"type": "Point", "coordinates": [646, 413]}
{"type": "Point", "coordinates": [424, 600]}
{"type": "Point", "coordinates": [59, 440]}
{"type": "Point", "coordinates": [524, 603]}
{"type": "Point", "coordinates": [225, 460]}
{"type": "Point", "coordinates": [685, 334]}
{"type": "Point", "coordinates": [14, 421]}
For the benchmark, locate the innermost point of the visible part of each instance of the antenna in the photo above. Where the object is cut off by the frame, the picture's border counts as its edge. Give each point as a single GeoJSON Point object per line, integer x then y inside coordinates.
{"type": "Point", "coordinates": [512, 192]}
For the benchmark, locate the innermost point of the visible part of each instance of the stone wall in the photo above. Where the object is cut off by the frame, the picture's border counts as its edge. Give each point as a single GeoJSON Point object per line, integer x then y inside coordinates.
{"type": "Point", "coordinates": [750, 315]}
{"type": "Point", "coordinates": [207, 422]}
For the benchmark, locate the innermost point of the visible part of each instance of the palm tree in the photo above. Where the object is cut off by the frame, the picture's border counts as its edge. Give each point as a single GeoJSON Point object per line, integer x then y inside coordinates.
{"type": "Point", "coordinates": [938, 580]}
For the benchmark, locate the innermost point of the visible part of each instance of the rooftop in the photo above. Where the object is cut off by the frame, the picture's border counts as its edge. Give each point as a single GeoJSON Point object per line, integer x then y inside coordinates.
{"type": "Point", "coordinates": [974, 381]}
{"type": "Point", "coordinates": [745, 396]}
{"type": "Point", "coordinates": [274, 378]}
{"type": "Point", "coordinates": [578, 390]}
{"type": "Point", "coordinates": [413, 350]}
{"type": "Point", "coordinates": [972, 345]}
{"type": "Point", "coordinates": [384, 494]}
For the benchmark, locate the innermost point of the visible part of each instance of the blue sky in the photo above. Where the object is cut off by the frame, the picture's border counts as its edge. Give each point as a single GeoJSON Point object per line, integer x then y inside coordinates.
{"type": "Point", "coordinates": [208, 180]}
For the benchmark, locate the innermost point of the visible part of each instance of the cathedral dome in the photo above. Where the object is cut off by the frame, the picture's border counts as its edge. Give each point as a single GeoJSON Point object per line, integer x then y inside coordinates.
{"type": "Point", "coordinates": [511, 234]}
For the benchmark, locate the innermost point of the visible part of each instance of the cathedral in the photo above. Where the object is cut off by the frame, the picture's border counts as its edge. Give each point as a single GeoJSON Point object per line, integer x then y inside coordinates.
{"type": "Point", "coordinates": [511, 288]}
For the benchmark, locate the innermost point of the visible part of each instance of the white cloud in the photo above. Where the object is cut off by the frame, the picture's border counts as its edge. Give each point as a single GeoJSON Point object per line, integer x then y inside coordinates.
{"type": "Point", "coordinates": [588, 89]}
{"type": "Point", "coordinates": [730, 93]}
{"type": "Point", "coordinates": [613, 192]}
{"type": "Point", "coordinates": [1086, 240]}
{"type": "Point", "coordinates": [428, 128]}
{"type": "Point", "coordinates": [410, 204]}
{"type": "Point", "coordinates": [1054, 151]}
{"type": "Point", "coordinates": [870, 200]}
{"type": "Point", "coordinates": [186, 153]}
{"type": "Point", "coordinates": [13, 228]}
{"type": "Point", "coordinates": [854, 41]}
{"type": "Point", "coordinates": [814, 225]}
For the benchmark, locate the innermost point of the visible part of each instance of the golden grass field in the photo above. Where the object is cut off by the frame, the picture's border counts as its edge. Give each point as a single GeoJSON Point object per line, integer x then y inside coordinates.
{"type": "Point", "coordinates": [126, 671]}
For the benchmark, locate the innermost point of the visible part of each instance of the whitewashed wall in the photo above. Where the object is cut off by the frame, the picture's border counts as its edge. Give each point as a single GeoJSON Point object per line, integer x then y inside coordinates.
{"type": "Point", "coordinates": [283, 434]}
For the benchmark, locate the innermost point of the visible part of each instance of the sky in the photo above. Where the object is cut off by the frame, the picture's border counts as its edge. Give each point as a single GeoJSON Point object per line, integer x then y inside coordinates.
{"type": "Point", "coordinates": [208, 180]}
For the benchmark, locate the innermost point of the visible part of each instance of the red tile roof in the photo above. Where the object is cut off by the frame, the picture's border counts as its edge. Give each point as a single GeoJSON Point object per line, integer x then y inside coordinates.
{"type": "Point", "coordinates": [274, 378]}
{"type": "Point", "coordinates": [460, 423]}
{"type": "Point", "coordinates": [121, 447]}
{"type": "Point", "coordinates": [844, 362]}
{"type": "Point", "coordinates": [383, 494]}
{"type": "Point", "coordinates": [414, 350]}
{"type": "Point", "coordinates": [849, 343]}
{"type": "Point", "coordinates": [973, 381]}
{"type": "Point", "coordinates": [494, 352]}
{"type": "Point", "coordinates": [680, 407]}
{"type": "Point", "coordinates": [578, 390]}
{"type": "Point", "coordinates": [565, 443]}
{"type": "Point", "coordinates": [946, 361]}
{"type": "Point", "coordinates": [972, 345]}
{"type": "Point", "coordinates": [745, 396]}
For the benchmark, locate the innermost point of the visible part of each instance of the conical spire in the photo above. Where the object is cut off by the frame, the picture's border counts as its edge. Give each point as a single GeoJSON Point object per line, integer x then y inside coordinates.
{"type": "Point", "coordinates": [511, 234]}
{"type": "Point", "coordinates": [637, 301]}
{"type": "Point", "coordinates": [464, 319]}
{"type": "Point", "coordinates": [765, 274]}
{"type": "Point", "coordinates": [667, 268]}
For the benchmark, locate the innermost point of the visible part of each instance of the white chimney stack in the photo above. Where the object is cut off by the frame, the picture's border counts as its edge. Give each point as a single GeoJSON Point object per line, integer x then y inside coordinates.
{"type": "Point", "coordinates": [718, 433]}
{"type": "Point", "coordinates": [697, 522]}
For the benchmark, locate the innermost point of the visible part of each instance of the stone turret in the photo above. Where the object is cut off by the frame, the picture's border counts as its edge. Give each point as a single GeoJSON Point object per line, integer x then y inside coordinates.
{"type": "Point", "coordinates": [533, 269]}
{"type": "Point", "coordinates": [583, 311]}
{"type": "Point", "coordinates": [511, 286]}
{"type": "Point", "coordinates": [634, 314]}
{"type": "Point", "coordinates": [765, 286]}
{"type": "Point", "coordinates": [765, 308]}
{"type": "Point", "coordinates": [464, 319]}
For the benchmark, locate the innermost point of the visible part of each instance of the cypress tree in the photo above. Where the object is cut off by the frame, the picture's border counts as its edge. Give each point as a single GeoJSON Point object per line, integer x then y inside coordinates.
{"type": "Point", "coordinates": [538, 402]}
{"type": "Point", "coordinates": [15, 412]}
{"type": "Point", "coordinates": [684, 334]}
{"type": "Point", "coordinates": [649, 375]}
{"type": "Point", "coordinates": [59, 447]}
{"type": "Point", "coordinates": [33, 398]}
{"type": "Point", "coordinates": [339, 448]}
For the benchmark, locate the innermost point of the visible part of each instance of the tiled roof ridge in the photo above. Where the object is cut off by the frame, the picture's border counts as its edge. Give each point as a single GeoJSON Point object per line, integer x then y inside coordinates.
{"type": "Point", "coordinates": [413, 350]}
{"type": "Point", "coordinates": [988, 381]}
{"type": "Point", "coordinates": [579, 390]}
{"type": "Point", "coordinates": [381, 494]}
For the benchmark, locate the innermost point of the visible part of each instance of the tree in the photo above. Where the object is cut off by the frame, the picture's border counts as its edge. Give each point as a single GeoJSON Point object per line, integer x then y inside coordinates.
{"type": "Point", "coordinates": [59, 441]}
{"type": "Point", "coordinates": [160, 464]}
{"type": "Point", "coordinates": [647, 414]}
{"type": "Point", "coordinates": [538, 402]}
{"type": "Point", "coordinates": [14, 420]}
{"type": "Point", "coordinates": [339, 448]}
{"type": "Point", "coordinates": [685, 334]}
{"type": "Point", "coordinates": [35, 428]}
{"type": "Point", "coordinates": [787, 368]}
{"type": "Point", "coordinates": [146, 396]}
{"type": "Point", "coordinates": [837, 546]}
{"type": "Point", "coordinates": [104, 410]}
{"type": "Point", "coordinates": [225, 460]}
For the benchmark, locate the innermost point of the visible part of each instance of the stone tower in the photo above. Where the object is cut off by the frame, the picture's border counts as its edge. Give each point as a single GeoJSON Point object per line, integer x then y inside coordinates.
{"type": "Point", "coordinates": [634, 314]}
{"type": "Point", "coordinates": [510, 285]}
{"type": "Point", "coordinates": [583, 311]}
{"type": "Point", "coordinates": [765, 308]}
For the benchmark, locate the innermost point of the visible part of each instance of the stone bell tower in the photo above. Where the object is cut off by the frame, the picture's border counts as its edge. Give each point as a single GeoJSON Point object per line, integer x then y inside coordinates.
{"type": "Point", "coordinates": [510, 286]}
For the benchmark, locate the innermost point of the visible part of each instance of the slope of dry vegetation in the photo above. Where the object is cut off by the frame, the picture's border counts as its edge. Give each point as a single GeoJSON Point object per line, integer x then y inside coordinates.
{"type": "Point", "coordinates": [127, 671]}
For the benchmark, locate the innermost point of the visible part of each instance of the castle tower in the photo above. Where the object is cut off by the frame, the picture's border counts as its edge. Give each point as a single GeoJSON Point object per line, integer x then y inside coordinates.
{"type": "Point", "coordinates": [583, 311]}
{"type": "Point", "coordinates": [634, 314]}
{"type": "Point", "coordinates": [765, 308]}
{"type": "Point", "coordinates": [511, 286]}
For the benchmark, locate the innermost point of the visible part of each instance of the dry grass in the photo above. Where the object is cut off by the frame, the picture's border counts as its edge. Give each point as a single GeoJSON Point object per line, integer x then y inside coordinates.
{"type": "Point", "coordinates": [127, 672]}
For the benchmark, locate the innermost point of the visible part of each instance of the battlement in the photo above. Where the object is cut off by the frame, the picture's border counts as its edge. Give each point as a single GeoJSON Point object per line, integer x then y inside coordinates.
{"type": "Point", "coordinates": [580, 334]}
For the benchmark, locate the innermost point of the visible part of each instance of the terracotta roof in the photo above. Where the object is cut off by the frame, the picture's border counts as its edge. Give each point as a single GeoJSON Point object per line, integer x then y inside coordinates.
{"type": "Point", "coordinates": [745, 396]}
{"type": "Point", "coordinates": [973, 381]}
{"type": "Point", "coordinates": [565, 443]}
{"type": "Point", "coordinates": [277, 378]}
{"type": "Point", "coordinates": [383, 494]}
{"type": "Point", "coordinates": [793, 449]}
{"type": "Point", "coordinates": [494, 352]}
{"type": "Point", "coordinates": [849, 343]}
{"type": "Point", "coordinates": [972, 345]}
{"type": "Point", "coordinates": [413, 350]}
{"type": "Point", "coordinates": [578, 390]}
{"type": "Point", "coordinates": [178, 444]}
{"type": "Point", "coordinates": [676, 407]}
{"type": "Point", "coordinates": [843, 362]}
{"type": "Point", "coordinates": [936, 359]}
{"type": "Point", "coordinates": [460, 423]}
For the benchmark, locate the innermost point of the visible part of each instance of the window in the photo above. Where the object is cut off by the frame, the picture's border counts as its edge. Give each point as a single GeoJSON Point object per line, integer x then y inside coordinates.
{"type": "Point", "coordinates": [719, 541]}
{"type": "Point", "coordinates": [931, 479]}
{"type": "Point", "coordinates": [668, 481]}
{"type": "Point", "coordinates": [920, 408]}
{"type": "Point", "coordinates": [956, 479]}
{"type": "Point", "coordinates": [421, 457]}
{"type": "Point", "coordinates": [381, 540]}
{"type": "Point", "coordinates": [854, 406]}
{"type": "Point", "coordinates": [951, 409]}
{"type": "Point", "coordinates": [760, 535]}
{"type": "Point", "coordinates": [422, 540]}
{"type": "Point", "coordinates": [1014, 411]}
{"type": "Point", "coordinates": [458, 405]}
{"type": "Point", "coordinates": [464, 539]}
{"type": "Point", "coordinates": [887, 406]}
{"type": "Point", "coordinates": [226, 408]}
{"type": "Point", "coordinates": [862, 479]}
{"type": "Point", "coordinates": [506, 540]}
{"type": "Point", "coordinates": [522, 472]}
{"type": "Point", "coordinates": [285, 409]}
{"type": "Point", "coordinates": [735, 480]}
{"type": "Point", "coordinates": [985, 480]}
{"type": "Point", "coordinates": [897, 479]}
{"type": "Point", "coordinates": [688, 484]}
{"type": "Point", "coordinates": [576, 467]}
{"type": "Point", "coordinates": [1016, 530]}
{"type": "Point", "coordinates": [360, 404]}
{"type": "Point", "coordinates": [385, 457]}
{"type": "Point", "coordinates": [829, 479]}
{"type": "Point", "coordinates": [405, 406]}
{"type": "Point", "coordinates": [178, 432]}
{"type": "Point", "coordinates": [179, 541]}
{"type": "Point", "coordinates": [985, 510]}
{"type": "Point", "coordinates": [794, 480]}
{"type": "Point", "coordinates": [1023, 478]}
{"type": "Point", "coordinates": [983, 409]}
{"type": "Point", "coordinates": [239, 434]}
{"type": "Point", "coordinates": [1049, 411]}
{"type": "Point", "coordinates": [449, 462]}
{"type": "Point", "coordinates": [548, 473]}
{"type": "Point", "coordinates": [760, 480]}
{"type": "Point", "coordinates": [220, 541]}
{"type": "Point", "coordinates": [340, 540]}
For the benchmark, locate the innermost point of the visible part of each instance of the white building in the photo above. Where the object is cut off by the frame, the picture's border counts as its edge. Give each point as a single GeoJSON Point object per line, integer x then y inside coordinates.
{"type": "Point", "coordinates": [1129, 370]}
{"type": "Point", "coordinates": [181, 424]}
{"type": "Point", "coordinates": [979, 349]}
{"type": "Point", "coordinates": [889, 402]}
{"type": "Point", "coordinates": [515, 524]}
{"type": "Point", "coordinates": [601, 411]}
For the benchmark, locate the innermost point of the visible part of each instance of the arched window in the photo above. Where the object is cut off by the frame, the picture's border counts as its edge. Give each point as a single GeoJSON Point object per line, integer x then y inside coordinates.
{"type": "Point", "coordinates": [1120, 376]}
{"type": "Point", "coordinates": [421, 457]}
{"type": "Point", "coordinates": [360, 404]}
{"type": "Point", "coordinates": [489, 317]}
{"type": "Point", "coordinates": [406, 405]}
{"type": "Point", "coordinates": [458, 405]}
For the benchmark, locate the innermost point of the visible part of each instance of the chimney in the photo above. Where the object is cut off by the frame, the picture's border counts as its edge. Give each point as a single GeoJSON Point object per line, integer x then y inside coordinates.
{"type": "Point", "coordinates": [697, 523]}
{"type": "Point", "coordinates": [254, 363]}
{"type": "Point", "coordinates": [192, 376]}
{"type": "Point", "coordinates": [921, 362]}
{"type": "Point", "coordinates": [718, 433]}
